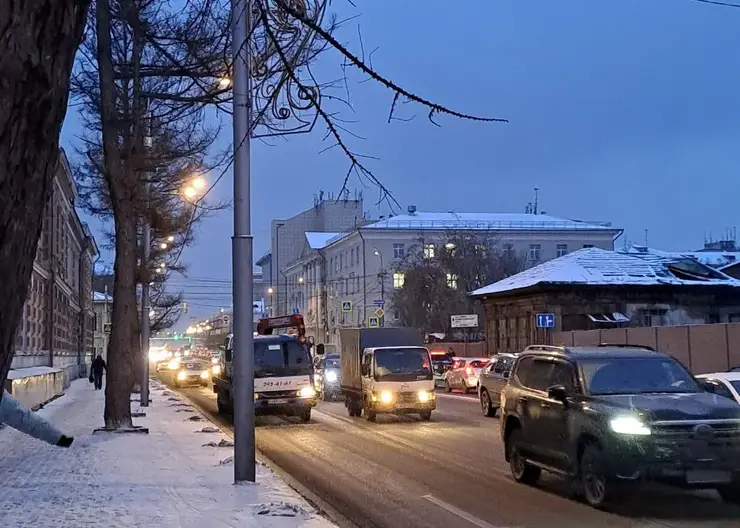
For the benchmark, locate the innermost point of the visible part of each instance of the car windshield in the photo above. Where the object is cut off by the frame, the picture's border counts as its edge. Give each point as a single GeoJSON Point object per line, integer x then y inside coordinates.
{"type": "Point", "coordinates": [636, 375]}
{"type": "Point", "coordinates": [332, 363]}
{"type": "Point", "coordinates": [402, 364]}
{"type": "Point", "coordinates": [288, 358]}
{"type": "Point", "coordinates": [478, 364]}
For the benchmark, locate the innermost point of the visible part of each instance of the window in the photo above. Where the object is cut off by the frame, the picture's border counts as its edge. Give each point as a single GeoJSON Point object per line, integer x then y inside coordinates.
{"type": "Point", "coordinates": [562, 250]}
{"type": "Point", "coordinates": [535, 251]}
{"type": "Point", "coordinates": [396, 315]}
{"type": "Point", "coordinates": [450, 247]}
{"type": "Point", "coordinates": [398, 280]}
{"type": "Point", "coordinates": [586, 246]}
{"type": "Point", "coordinates": [340, 262]}
{"type": "Point", "coordinates": [720, 389]}
{"type": "Point", "coordinates": [535, 373]}
{"type": "Point", "coordinates": [429, 251]}
{"type": "Point", "coordinates": [562, 374]}
{"type": "Point", "coordinates": [452, 281]}
{"type": "Point", "coordinates": [508, 248]}
{"type": "Point", "coordinates": [399, 251]}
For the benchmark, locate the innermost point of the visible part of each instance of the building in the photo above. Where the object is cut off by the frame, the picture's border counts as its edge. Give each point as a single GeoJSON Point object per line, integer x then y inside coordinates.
{"type": "Point", "coordinates": [287, 240]}
{"type": "Point", "coordinates": [58, 320]}
{"type": "Point", "coordinates": [342, 279]}
{"type": "Point", "coordinates": [723, 255]}
{"type": "Point", "coordinates": [103, 307]}
{"type": "Point", "coordinates": [599, 289]}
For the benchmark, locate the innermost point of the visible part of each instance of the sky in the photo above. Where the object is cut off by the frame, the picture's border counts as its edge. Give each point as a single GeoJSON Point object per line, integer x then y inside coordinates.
{"type": "Point", "coordinates": [619, 110]}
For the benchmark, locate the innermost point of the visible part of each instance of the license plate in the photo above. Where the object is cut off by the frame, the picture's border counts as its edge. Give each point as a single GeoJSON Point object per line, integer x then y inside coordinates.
{"type": "Point", "coordinates": [407, 406]}
{"type": "Point", "coordinates": [708, 476]}
{"type": "Point", "coordinates": [277, 402]}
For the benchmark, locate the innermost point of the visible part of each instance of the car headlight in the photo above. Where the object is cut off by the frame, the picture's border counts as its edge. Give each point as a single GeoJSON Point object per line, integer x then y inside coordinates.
{"type": "Point", "coordinates": [330, 375]}
{"type": "Point", "coordinates": [181, 375]}
{"type": "Point", "coordinates": [629, 425]}
{"type": "Point", "coordinates": [386, 397]}
{"type": "Point", "coordinates": [425, 396]}
{"type": "Point", "coordinates": [173, 364]}
{"type": "Point", "coordinates": [204, 375]}
{"type": "Point", "coordinates": [307, 392]}
{"type": "Point", "coordinates": [216, 370]}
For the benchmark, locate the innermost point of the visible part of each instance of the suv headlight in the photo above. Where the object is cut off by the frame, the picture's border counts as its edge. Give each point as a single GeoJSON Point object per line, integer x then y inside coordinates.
{"type": "Point", "coordinates": [182, 375]}
{"type": "Point", "coordinates": [629, 425]}
{"type": "Point", "coordinates": [425, 396]}
{"type": "Point", "coordinates": [331, 376]}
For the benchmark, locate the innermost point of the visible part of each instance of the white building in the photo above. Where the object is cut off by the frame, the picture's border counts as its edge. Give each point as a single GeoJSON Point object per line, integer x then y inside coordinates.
{"type": "Point", "coordinates": [103, 307]}
{"type": "Point", "coordinates": [341, 279]}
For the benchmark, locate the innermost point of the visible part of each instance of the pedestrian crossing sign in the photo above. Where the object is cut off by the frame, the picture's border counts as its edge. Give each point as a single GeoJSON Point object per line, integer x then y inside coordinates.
{"type": "Point", "coordinates": [374, 322]}
{"type": "Point", "coordinates": [346, 306]}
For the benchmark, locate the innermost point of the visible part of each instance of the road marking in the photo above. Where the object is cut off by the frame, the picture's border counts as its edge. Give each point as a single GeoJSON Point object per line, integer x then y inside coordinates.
{"type": "Point", "coordinates": [472, 399]}
{"type": "Point", "coordinates": [460, 513]}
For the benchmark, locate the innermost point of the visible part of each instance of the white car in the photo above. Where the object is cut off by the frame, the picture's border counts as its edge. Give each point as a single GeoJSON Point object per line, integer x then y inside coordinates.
{"type": "Point", "coordinates": [464, 374]}
{"type": "Point", "coordinates": [725, 384]}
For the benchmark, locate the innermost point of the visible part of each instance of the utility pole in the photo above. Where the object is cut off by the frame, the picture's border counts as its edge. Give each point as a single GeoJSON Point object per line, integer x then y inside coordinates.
{"type": "Point", "coordinates": [243, 317]}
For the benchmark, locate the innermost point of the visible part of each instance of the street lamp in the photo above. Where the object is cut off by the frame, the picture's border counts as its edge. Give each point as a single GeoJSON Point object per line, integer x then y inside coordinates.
{"type": "Point", "coordinates": [270, 291]}
{"type": "Point", "coordinates": [163, 245]}
{"type": "Point", "coordinates": [170, 238]}
{"type": "Point", "coordinates": [300, 280]}
{"type": "Point", "coordinates": [199, 183]}
{"type": "Point", "coordinates": [224, 83]}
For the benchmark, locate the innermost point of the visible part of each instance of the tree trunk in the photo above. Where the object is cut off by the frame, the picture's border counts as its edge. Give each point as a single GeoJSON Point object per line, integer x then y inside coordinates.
{"type": "Point", "coordinates": [124, 346]}
{"type": "Point", "coordinates": [38, 41]}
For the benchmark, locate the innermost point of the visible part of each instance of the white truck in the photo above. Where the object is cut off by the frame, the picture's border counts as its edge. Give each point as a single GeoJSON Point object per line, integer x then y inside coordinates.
{"type": "Point", "coordinates": [283, 377]}
{"type": "Point", "coordinates": [386, 371]}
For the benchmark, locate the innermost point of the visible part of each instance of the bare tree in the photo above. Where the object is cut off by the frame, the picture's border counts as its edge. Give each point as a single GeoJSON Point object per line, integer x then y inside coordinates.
{"type": "Point", "coordinates": [439, 274]}
{"type": "Point", "coordinates": [38, 40]}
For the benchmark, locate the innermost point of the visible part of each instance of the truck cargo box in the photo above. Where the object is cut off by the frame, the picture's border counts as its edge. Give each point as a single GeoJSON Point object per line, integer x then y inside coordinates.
{"type": "Point", "coordinates": [355, 340]}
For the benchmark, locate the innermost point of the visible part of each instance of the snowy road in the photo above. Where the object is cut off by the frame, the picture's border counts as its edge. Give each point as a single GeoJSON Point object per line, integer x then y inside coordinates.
{"type": "Point", "coordinates": [401, 472]}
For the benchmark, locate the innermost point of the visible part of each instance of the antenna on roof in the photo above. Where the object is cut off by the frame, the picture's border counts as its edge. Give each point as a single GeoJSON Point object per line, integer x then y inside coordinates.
{"type": "Point", "coordinates": [646, 239]}
{"type": "Point", "coordinates": [536, 199]}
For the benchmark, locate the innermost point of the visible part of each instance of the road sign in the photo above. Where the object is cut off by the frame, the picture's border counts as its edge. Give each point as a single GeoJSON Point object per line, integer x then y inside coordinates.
{"type": "Point", "coordinates": [346, 306]}
{"type": "Point", "coordinates": [464, 321]}
{"type": "Point", "coordinates": [296, 311]}
{"type": "Point", "coordinates": [379, 302]}
{"type": "Point", "coordinates": [107, 328]}
{"type": "Point", "coordinates": [545, 320]}
{"type": "Point", "coordinates": [379, 312]}
{"type": "Point", "coordinates": [374, 322]}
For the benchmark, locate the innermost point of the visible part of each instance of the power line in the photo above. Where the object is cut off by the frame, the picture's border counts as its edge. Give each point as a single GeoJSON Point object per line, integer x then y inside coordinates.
{"type": "Point", "coordinates": [718, 3]}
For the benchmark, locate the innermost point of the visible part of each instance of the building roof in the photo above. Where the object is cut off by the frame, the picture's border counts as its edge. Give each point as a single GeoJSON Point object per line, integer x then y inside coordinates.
{"type": "Point", "coordinates": [319, 240]}
{"type": "Point", "coordinates": [715, 259]}
{"type": "Point", "coordinates": [264, 259]}
{"type": "Point", "coordinates": [599, 267]}
{"type": "Point", "coordinates": [101, 297]}
{"type": "Point", "coordinates": [487, 221]}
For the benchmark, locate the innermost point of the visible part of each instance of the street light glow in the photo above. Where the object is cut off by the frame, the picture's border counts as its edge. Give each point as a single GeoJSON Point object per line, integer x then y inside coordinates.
{"type": "Point", "coordinates": [198, 183]}
{"type": "Point", "coordinates": [300, 280]}
{"type": "Point", "coordinates": [170, 238]}
{"type": "Point", "coordinates": [224, 83]}
{"type": "Point", "coordinates": [189, 192]}
{"type": "Point", "coordinates": [270, 291]}
{"type": "Point", "coordinates": [163, 245]}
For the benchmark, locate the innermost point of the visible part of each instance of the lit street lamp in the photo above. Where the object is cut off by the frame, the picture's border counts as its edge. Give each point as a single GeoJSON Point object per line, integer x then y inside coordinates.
{"type": "Point", "coordinates": [170, 238]}
{"type": "Point", "coordinates": [163, 245]}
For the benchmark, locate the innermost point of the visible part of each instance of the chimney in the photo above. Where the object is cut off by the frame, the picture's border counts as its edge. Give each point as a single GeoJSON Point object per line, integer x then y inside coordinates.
{"type": "Point", "coordinates": [411, 209]}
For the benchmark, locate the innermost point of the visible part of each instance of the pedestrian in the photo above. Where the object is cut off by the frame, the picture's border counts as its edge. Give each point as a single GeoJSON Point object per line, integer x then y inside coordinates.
{"type": "Point", "coordinates": [30, 423]}
{"type": "Point", "coordinates": [97, 368]}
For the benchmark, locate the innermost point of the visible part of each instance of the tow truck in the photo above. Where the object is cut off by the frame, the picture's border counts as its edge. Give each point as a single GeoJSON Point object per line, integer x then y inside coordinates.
{"type": "Point", "coordinates": [283, 370]}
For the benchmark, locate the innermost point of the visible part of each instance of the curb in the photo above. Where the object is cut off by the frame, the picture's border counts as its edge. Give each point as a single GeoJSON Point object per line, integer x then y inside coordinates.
{"type": "Point", "coordinates": [322, 508]}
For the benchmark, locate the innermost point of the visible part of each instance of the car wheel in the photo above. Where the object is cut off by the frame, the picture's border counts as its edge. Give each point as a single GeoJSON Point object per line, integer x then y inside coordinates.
{"type": "Point", "coordinates": [522, 471]}
{"type": "Point", "coordinates": [306, 415]}
{"type": "Point", "coordinates": [447, 386]}
{"type": "Point", "coordinates": [597, 490]}
{"type": "Point", "coordinates": [426, 416]}
{"type": "Point", "coordinates": [370, 416]}
{"type": "Point", "coordinates": [730, 493]}
{"type": "Point", "coordinates": [485, 403]}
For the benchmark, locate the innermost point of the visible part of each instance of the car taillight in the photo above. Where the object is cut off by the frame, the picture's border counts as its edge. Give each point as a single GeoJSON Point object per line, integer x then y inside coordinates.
{"type": "Point", "coordinates": [469, 371]}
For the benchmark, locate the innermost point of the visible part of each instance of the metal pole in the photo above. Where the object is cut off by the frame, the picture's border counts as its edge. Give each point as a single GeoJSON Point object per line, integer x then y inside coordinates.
{"type": "Point", "coordinates": [243, 318]}
{"type": "Point", "coordinates": [146, 243]}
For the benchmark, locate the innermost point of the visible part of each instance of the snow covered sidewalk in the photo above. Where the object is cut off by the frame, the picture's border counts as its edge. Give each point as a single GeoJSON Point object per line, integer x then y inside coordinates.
{"type": "Point", "coordinates": [172, 477]}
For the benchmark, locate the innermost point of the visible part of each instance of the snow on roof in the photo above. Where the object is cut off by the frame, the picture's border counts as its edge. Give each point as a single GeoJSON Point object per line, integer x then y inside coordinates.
{"type": "Point", "coordinates": [599, 267]}
{"type": "Point", "coordinates": [715, 259]}
{"type": "Point", "coordinates": [319, 240]}
{"type": "Point", "coordinates": [102, 297]}
{"type": "Point", "coordinates": [497, 221]}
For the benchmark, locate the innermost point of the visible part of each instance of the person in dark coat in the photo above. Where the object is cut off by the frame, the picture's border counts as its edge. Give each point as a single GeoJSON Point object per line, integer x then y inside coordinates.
{"type": "Point", "coordinates": [97, 368]}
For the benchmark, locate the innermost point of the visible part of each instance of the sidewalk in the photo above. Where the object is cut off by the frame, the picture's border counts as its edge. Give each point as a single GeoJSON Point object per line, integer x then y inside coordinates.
{"type": "Point", "coordinates": [165, 479]}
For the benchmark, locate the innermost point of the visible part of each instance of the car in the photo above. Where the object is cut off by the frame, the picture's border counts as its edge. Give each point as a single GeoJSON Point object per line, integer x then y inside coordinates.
{"type": "Point", "coordinates": [492, 381]}
{"type": "Point", "coordinates": [326, 377]}
{"type": "Point", "coordinates": [610, 417]}
{"type": "Point", "coordinates": [725, 384]}
{"type": "Point", "coordinates": [191, 371]}
{"type": "Point", "coordinates": [441, 363]}
{"type": "Point", "coordinates": [464, 374]}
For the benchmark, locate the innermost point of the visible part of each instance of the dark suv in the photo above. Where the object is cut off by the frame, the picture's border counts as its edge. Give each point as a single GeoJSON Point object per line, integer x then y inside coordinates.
{"type": "Point", "coordinates": [609, 417]}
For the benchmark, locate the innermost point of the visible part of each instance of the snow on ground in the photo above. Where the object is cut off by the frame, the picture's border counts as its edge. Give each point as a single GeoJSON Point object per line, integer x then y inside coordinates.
{"type": "Point", "coordinates": [167, 478]}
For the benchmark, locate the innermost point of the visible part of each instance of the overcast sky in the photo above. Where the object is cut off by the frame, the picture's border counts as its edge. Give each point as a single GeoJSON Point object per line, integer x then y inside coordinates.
{"type": "Point", "coordinates": [620, 110]}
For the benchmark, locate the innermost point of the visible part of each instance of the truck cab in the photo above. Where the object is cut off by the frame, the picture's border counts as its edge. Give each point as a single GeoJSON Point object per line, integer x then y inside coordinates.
{"type": "Point", "coordinates": [283, 377]}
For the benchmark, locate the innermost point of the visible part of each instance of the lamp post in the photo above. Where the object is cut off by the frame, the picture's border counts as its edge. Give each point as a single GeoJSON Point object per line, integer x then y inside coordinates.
{"type": "Point", "coordinates": [241, 267]}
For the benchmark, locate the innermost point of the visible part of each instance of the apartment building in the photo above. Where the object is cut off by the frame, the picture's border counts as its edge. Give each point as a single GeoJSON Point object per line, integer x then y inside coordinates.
{"type": "Point", "coordinates": [58, 320]}
{"type": "Point", "coordinates": [342, 279]}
